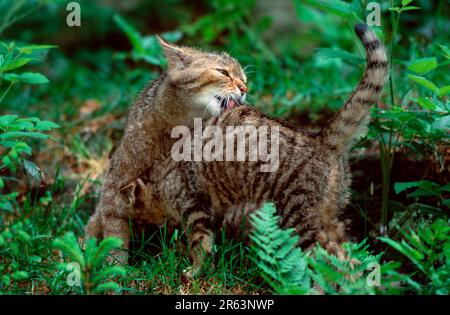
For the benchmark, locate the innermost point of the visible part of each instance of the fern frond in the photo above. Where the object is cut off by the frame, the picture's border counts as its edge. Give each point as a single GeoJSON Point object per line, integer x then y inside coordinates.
{"type": "Point", "coordinates": [289, 270]}
{"type": "Point", "coordinates": [276, 253]}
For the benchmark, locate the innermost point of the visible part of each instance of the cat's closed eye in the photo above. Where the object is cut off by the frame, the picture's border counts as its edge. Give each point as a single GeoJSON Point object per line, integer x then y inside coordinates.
{"type": "Point", "coordinates": [224, 72]}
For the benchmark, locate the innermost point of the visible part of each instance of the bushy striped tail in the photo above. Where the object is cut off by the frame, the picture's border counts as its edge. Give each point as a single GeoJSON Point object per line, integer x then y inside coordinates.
{"type": "Point", "coordinates": [353, 117]}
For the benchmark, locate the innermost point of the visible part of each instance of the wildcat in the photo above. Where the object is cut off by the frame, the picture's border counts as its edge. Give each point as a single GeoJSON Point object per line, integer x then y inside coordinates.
{"type": "Point", "coordinates": [196, 84]}
{"type": "Point", "coordinates": [309, 188]}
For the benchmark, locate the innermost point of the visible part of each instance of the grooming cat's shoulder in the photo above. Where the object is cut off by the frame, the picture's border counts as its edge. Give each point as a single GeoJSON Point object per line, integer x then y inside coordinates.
{"type": "Point", "coordinates": [246, 115]}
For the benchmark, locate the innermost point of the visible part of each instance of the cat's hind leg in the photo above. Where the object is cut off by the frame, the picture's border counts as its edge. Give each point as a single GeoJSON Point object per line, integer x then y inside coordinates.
{"type": "Point", "coordinates": [199, 230]}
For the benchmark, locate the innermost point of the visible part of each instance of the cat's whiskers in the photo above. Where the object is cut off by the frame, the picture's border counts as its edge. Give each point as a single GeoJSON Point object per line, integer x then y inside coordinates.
{"type": "Point", "coordinates": [225, 94]}
{"type": "Point", "coordinates": [208, 104]}
{"type": "Point", "coordinates": [246, 72]}
{"type": "Point", "coordinates": [235, 99]}
{"type": "Point", "coordinates": [248, 66]}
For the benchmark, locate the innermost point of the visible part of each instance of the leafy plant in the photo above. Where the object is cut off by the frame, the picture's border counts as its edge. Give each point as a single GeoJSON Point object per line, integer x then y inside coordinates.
{"type": "Point", "coordinates": [14, 242]}
{"type": "Point", "coordinates": [91, 262]}
{"type": "Point", "coordinates": [145, 48]}
{"type": "Point", "coordinates": [422, 66]}
{"type": "Point", "coordinates": [340, 8]}
{"type": "Point", "coordinates": [289, 270]}
{"type": "Point", "coordinates": [429, 250]}
{"type": "Point", "coordinates": [12, 58]}
{"type": "Point", "coordinates": [425, 188]}
{"type": "Point", "coordinates": [361, 272]}
{"type": "Point", "coordinates": [397, 125]}
{"type": "Point", "coordinates": [276, 253]}
{"type": "Point", "coordinates": [14, 11]}
{"type": "Point", "coordinates": [14, 133]}
{"type": "Point", "coordinates": [225, 16]}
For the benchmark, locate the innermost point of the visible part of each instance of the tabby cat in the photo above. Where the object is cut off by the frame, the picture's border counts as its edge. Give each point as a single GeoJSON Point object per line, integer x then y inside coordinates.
{"type": "Point", "coordinates": [196, 84]}
{"type": "Point", "coordinates": [309, 188]}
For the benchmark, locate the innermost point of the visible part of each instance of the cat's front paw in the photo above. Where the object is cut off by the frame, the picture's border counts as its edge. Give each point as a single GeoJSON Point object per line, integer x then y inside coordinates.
{"type": "Point", "coordinates": [190, 272]}
{"type": "Point", "coordinates": [193, 271]}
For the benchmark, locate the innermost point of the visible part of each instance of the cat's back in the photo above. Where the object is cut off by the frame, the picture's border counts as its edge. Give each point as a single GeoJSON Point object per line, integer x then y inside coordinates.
{"type": "Point", "coordinates": [246, 115]}
{"type": "Point", "coordinates": [289, 157]}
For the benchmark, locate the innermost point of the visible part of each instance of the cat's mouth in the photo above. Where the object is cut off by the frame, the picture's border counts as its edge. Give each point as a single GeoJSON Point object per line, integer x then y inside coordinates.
{"type": "Point", "coordinates": [227, 103]}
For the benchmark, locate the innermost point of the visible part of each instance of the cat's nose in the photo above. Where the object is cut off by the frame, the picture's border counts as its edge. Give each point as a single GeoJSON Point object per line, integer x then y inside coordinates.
{"type": "Point", "coordinates": [242, 88]}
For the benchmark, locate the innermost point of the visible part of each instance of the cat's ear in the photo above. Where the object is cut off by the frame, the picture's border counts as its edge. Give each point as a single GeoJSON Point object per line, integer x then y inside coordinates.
{"type": "Point", "coordinates": [177, 57]}
{"type": "Point", "coordinates": [128, 194]}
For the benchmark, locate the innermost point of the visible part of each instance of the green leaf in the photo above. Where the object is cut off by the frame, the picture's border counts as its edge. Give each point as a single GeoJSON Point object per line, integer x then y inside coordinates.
{"type": "Point", "coordinates": [27, 77]}
{"type": "Point", "coordinates": [330, 53]}
{"type": "Point", "coordinates": [29, 49]}
{"type": "Point", "coordinates": [20, 275]}
{"type": "Point", "coordinates": [7, 120]}
{"type": "Point", "coordinates": [6, 205]}
{"type": "Point", "coordinates": [426, 103]}
{"type": "Point", "coordinates": [32, 169]}
{"type": "Point", "coordinates": [46, 125]}
{"type": "Point", "coordinates": [410, 8]}
{"type": "Point", "coordinates": [406, 2]}
{"type": "Point", "coordinates": [395, 9]}
{"type": "Point", "coordinates": [406, 250]}
{"type": "Point", "coordinates": [21, 124]}
{"type": "Point", "coordinates": [445, 51]}
{"type": "Point", "coordinates": [337, 7]}
{"type": "Point", "coordinates": [34, 259]}
{"type": "Point", "coordinates": [424, 65]}
{"type": "Point", "coordinates": [424, 82]}
{"type": "Point", "coordinates": [132, 34]}
{"type": "Point", "coordinates": [399, 187]}
{"type": "Point", "coordinates": [444, 90]}
{"type": "Point", "coordinates": [14, 64]}
{"type": "Point", "coordinates": [23, 236]}
{"type": "Point", "coordinates": [172, 37]}
{"type": "Point", "coordinates": [23, 134]}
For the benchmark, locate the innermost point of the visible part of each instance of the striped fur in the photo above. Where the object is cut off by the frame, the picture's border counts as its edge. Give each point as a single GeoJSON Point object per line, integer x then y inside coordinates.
{"type": "Point", "coordinates": [191, 87]}
{"type": "Point", "coordinates": [352, 119]}
{"type": "Point", "coordinates": [309, 188]}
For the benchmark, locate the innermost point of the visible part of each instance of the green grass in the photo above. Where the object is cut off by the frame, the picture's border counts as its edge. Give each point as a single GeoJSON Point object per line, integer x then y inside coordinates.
{"type": "Point", "coordinates": [156, 266]}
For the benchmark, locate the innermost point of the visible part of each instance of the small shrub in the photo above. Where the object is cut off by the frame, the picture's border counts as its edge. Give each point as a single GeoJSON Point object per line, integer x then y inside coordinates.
{"type": "Point", "coordinates": [90, 269]}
